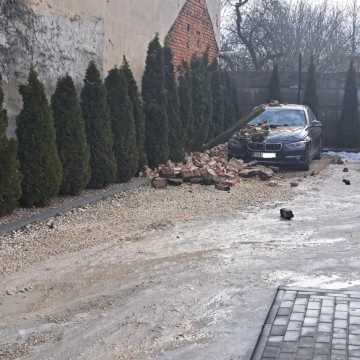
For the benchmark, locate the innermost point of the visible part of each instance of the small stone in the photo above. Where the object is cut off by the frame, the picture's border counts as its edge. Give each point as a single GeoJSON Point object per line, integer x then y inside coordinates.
{"type": "Point", "coordinates": [196, 180]}
{"type": "Point", "coordinates": [222, 187]}
{"type": "Point", "coordinates": [347, 182]}
{"type": "Point", "coordinates": [286, 214]}
{"type": "Point", "coordinates": [346, 170]}
{"type": "Point", "coordinates": [50, 224]}
{"type": "Point", "coordinates": [294, 184]}
{"type": "Point", "coordinates": [175, 182]}
{"type": "Point", "coordinates": [9, 292]}
{"type": "Point", "coordinates": [272, 183]}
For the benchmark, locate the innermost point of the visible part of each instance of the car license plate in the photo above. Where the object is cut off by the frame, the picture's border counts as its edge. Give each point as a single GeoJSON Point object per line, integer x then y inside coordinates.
{"type": "Point", "coordinates": [260, 155]}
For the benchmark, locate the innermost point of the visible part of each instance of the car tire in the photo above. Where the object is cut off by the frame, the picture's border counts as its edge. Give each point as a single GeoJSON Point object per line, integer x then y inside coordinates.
{"type": "Point", "coordinates": [306, 165]}
{"type": "Point", "coordinates": [318, 153]}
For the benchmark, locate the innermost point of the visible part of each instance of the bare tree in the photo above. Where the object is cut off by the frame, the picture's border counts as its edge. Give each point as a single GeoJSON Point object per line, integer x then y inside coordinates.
{"type": "Point", "coordinates": [258, 33]}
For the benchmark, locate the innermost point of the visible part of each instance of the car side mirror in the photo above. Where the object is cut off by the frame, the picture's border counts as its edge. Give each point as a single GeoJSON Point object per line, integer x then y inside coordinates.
{"type": "Point", "coordinates": [316, 123]}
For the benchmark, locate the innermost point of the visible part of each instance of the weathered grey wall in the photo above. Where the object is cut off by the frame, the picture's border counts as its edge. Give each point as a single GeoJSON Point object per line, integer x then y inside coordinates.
{"type": "Point", "coordinates": [252, 91]}
{"type": "Point", "coordinates": [62, 36]}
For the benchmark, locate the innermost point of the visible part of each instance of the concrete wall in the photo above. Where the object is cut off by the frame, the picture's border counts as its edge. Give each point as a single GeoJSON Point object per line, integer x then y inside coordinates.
{"type": "Point", "coordinates": [61, 36]}
{"type": "Point", "coordinates": [252, 91]}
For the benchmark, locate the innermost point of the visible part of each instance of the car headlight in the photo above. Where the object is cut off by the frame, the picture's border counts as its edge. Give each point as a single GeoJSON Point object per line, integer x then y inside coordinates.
{"type": "Point", "coordinates": [299, 145]}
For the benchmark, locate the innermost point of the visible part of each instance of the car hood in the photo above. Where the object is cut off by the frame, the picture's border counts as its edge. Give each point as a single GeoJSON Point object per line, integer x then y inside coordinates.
{"type": "Point", "coordinates": [283, 135]}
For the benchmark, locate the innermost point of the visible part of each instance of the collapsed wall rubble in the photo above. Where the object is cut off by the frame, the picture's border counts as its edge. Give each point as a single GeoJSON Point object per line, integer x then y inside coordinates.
{"type": "Point", "coordinates": [208, 168]}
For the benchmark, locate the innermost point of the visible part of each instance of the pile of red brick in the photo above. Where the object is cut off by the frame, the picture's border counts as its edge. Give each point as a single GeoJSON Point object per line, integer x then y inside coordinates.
{"type": "Point", "coordinates": [208, 168]}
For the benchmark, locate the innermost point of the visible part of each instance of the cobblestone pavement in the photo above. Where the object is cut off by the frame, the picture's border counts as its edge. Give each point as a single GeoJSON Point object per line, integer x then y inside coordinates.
{"type": "Point", "coordinates": [311, 324]}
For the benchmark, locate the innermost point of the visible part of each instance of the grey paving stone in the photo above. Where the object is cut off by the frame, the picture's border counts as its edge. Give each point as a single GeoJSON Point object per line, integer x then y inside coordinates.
{"type": "Point", "coordinates": [292, 336]}
{"type": "Point", "coordinates": [342, 307]}
{"type": "Point", "coordinates": [299, 308]}
{"type": "Point", "coordinates": [326, 318]}
{"type": "Point", "coordinates": [307, 341]}
{"type": "Point", "coordinates": [277, 330]}
{"type": "Point", "coordinates": [289, 347]}
{"type": "Point", "coordinates": [354, 350]}
{"type": "Point", "coordinates": [325, 327]}
{"type": "Point", "coordinates": [342, 324]}
{"type": "Point", "coordinates": [323, 337]}
{"type": "Point", "coordinates": [321, 357]}
{"type": "Point", "coordinates": [284, 311]}
{"type": "Point", "coordinates": [314, 305]}
{"type": "Point", "coordinates": [271, 351]}
{"type": "Point", "coordinates": [297, 316]}
{"type": "Point", "coordinates": [289, 295]}
{"type": "Point", "coordinates": [310, 321]}
{"type": "Point", "coordinates": [354, 329]}
{"type": "Point", "coordinates": [354, 339]}
{"type": "Point", "coordinates": [355, 312]}
{"type": "Point", "coordinates": [341, 315]}
{"type": "Point", "coordinates": [339, 333]}
{"type": "Point", "coordinates": [294, 325]}
{"type": "Point", "coordinates": [328, 302]}
{"type": "Point", "coordinates": [275, 339]}
{"type": "Point", "coordinates": [327, 310]}
{"type": "Point", "coordinates": [287, 304]}
{"type": "Point", "coordinates": [281, 320]}
{"type": "Point", "coordinates": [313, 325]}
{"type": "Point", "coordinates": [286, 356]}
{"type": "Point", "coordinates": [308, 331]}
{"type": "Point", "coordinates": [323, 349]}
{"type": "Point", "coordinates": [354, 320]}
{"type": "Point", "coordinates": [301, 301]}
{"type": "Point", "coordinates": [354, 304]}
{"type": "Point", "coordinates": [304, 353]}
{"type": "Point", "coordinates": [312, 313]}
{"type": "Point", "coordinates": [339, 341]}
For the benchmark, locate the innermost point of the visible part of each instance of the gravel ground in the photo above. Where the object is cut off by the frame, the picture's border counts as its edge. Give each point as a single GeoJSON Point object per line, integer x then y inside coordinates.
{"type": "Point", "coordinates": [128, 216]}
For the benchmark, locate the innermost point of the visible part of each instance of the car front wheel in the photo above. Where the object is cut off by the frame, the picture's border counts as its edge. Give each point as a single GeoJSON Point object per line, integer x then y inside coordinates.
{"type": "Point", "coordinates": [318, 153]}
{"type": "Point", "coordinates": [307, 160]}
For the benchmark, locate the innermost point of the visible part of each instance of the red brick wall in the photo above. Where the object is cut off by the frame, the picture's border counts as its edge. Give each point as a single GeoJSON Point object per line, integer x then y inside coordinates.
{"type": "Point", "coordinates": [192, 33]}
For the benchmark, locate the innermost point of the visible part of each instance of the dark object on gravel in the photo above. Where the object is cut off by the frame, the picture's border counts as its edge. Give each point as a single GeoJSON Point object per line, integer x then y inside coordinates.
{"type": "Point", "coordinates": [159, 183]}
{"type": "Point", "coordinates": [346, 170]}
{"type": "Point", "coordinates": [196, 180]}
{"type": "Point", "coordinates": [286, 214]}
{"type": "Point", "coordinates": [294, 184]}
{"type": "Point", "coordinates": [175, 182]}
{"type": "Point", "coordinates": [347, 182]}
{"type": "Point", "coordinates": [222, 187]}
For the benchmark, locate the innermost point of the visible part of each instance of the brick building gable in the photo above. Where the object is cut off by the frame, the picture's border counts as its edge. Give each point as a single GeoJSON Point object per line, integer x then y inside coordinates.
{"type": "Point", "coordinates": [192, 33]}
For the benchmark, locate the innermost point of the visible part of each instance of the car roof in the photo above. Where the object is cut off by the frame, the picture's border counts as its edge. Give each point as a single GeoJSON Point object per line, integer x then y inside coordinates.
{"type": "Point", "coordinates": [286, 106]}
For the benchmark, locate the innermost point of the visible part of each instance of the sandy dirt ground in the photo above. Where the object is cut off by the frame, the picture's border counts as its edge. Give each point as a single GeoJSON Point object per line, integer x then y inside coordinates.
{"type": "Point", "coordinates": [185, 273]}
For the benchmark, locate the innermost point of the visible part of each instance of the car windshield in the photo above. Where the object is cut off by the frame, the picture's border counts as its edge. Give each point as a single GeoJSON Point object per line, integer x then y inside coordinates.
{"type": "Point", "coordinates": [280, 117]}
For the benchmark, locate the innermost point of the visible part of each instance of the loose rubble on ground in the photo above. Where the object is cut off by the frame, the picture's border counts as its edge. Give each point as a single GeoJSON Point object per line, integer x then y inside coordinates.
{"type": "Point", "coordinates": [208, 168]}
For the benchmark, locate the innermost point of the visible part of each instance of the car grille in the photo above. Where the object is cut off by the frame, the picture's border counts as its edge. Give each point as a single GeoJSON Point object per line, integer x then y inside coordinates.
{"type": "Point", "coordinates": [255, 146]}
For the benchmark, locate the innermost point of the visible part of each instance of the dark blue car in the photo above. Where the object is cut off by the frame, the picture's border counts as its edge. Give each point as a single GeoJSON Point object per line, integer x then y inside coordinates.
{"type": "Point", "coordinates": [279, 135]}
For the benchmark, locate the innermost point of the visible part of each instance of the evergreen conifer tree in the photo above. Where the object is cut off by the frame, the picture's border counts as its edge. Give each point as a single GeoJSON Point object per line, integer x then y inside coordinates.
{"type": "Point", "coordinates": [139, 117]}
{"type": "Point", "coordinates": [98, 129]}
{"type": "Point", "coordinates": [349, 132]}
{"type": "Point", "coordinates": [218, 97]}
{"type": "Point", "coordinates": [274, 86]}
{"type": "Point", "coordinates": [123, 125]}
{"type": "Point", "coordinates": [10, 176]}
{"type": "Point", "coordinates": [154, 97]}
{"type": "Point", "coordinates": [176, 145]}
{"type": "Point", "coordinates": [186, 105]}
{"type": "Point", "coordinates": [37, 151]}
{"type": "Point", "coordinates": [70, 137]}
{"type": "Point", "coordinates": [311, 97]}
{"type": "Point", "coordinates": [232, 113]}
{"type": "Point", "coordinates": [202, 100]}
